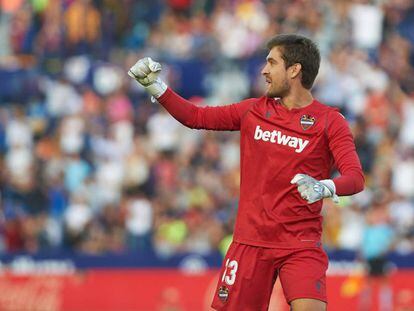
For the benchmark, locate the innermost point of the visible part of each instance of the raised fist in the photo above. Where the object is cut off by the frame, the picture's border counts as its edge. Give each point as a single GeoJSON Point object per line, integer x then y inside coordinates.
{"type": "Point", "coordinates": [146, 72]}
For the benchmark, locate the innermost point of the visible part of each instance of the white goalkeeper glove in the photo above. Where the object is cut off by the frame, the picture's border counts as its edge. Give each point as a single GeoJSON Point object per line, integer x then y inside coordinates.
{"type": "Point", "coordinates": [313, 190]}
{"type": "Point", "coordinates": [146, 72]}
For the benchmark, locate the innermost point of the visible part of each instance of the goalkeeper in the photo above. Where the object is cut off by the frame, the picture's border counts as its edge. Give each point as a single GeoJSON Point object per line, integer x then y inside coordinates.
{"type": "Point", "coordinates": [290, 144]}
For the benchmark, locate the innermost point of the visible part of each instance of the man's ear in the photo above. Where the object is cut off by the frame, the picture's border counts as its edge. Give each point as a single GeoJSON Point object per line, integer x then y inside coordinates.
{"type": "Point", "coordinates": [295, 70]}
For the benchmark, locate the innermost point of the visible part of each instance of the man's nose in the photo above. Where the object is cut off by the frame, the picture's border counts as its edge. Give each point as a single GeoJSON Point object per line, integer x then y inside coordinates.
{"type": "Point", "coordinates": [264, 70]}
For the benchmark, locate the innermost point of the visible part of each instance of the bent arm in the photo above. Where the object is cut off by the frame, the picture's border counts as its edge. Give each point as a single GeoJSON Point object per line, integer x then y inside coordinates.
{"type": "Point", "coordinates": [210, 118]}
{"type": "Point", "coordinates": [342, 147]}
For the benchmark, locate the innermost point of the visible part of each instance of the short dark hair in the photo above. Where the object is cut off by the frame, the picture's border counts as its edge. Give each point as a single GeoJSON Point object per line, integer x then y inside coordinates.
{"type": "Point", "coordinates": [299, 49]}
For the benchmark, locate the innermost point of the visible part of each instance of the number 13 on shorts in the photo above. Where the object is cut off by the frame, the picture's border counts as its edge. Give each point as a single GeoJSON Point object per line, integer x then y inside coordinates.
{"type": "Point", "coordinates": [230, 270]}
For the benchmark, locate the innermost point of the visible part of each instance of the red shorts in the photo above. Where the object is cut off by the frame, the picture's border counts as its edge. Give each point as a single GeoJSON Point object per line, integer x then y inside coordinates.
{"type": "Point", "coordinates": [249, 273]}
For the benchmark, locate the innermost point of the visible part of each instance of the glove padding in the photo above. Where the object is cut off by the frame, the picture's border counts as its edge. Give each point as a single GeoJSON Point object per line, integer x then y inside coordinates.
{"type": "Point", "coordinates": [146, 72]}
{"type": "Point", "coordinates": [313, 190]}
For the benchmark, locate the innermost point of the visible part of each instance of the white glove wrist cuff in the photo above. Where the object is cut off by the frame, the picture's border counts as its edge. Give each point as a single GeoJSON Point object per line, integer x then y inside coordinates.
{"type": "Point", "coordinates": [157, 88]}
{"type": "Point", "coordinates": [331, 188]}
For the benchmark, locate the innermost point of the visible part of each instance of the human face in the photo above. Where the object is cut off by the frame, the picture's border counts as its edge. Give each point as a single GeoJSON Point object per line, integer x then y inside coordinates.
{"type": "Point", "coordinates": [276, 75]}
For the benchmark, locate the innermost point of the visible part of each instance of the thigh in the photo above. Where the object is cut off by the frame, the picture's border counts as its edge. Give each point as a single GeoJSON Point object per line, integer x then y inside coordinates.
{"type": "Point", "coordinates": [307, 304]}
{"type": "Point", "coordinates": [303, 275]}
{"type": "Point", "coordinates": [246, 280]}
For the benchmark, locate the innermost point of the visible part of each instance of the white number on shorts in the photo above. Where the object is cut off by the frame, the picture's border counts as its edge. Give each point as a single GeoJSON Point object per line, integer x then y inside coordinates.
{"type": "Point", "coordinates": [231, 267]}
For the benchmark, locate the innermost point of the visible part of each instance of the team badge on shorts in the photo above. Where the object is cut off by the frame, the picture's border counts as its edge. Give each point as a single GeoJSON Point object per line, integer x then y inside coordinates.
{"type": "Point", "coordinates": [306, 121]}
{"type": "Point", "coordinates": [223, 293]}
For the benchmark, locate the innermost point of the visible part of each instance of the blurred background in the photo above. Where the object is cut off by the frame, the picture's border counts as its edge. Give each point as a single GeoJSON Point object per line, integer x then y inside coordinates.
{"type": "Point", "coordinates": [107, 203]}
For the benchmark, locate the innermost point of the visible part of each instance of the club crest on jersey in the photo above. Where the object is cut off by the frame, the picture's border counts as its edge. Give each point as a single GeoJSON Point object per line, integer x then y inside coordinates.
{"type": "Point", "coordinates": [306, 121]}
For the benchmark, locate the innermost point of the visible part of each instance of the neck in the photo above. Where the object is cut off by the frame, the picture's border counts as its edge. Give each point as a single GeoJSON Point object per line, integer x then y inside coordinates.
{"type": "Point", "coordinates": [297, 100]}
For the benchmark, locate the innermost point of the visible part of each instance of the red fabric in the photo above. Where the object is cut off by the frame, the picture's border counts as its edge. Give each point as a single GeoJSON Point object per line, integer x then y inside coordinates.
{"type": "Point", "coordinates": [273, 148]}
{"type": "Point", "coordinates": [180, 4]}
{"type": "Point", "coordinates": [249, 273]}
{"type": "Point", "coordinates": [341, 144]}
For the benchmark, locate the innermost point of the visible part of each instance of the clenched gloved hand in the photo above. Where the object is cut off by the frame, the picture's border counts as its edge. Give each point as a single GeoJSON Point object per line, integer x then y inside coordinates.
{"type": "Point", "coordinates": [313, 190]}
{"type": "Point", "coordinates": [146, 72]}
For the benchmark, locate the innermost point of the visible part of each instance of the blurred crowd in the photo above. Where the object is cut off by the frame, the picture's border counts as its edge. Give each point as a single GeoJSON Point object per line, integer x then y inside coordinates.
{"type": "Point", "coordinates": [89, 164]}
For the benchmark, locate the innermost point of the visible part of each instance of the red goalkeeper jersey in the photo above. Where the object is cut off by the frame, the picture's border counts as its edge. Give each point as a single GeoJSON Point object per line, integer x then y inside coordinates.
{"type": "Point", "coordinates": [275, 144]}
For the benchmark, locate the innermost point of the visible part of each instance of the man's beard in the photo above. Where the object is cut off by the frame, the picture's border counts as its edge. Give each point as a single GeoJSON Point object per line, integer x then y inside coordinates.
{"type": "Point", "coordinates": [279, 92]}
